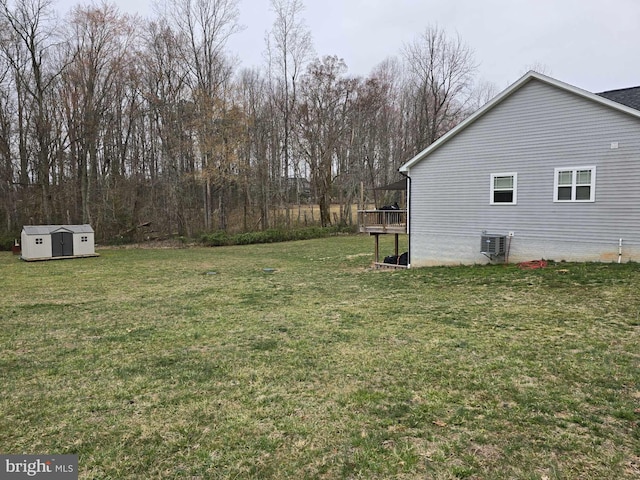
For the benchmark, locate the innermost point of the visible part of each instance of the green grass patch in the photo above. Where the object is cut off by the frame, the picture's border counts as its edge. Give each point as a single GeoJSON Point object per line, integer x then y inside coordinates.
{"type": "Point", "coordinates": [146, 365]}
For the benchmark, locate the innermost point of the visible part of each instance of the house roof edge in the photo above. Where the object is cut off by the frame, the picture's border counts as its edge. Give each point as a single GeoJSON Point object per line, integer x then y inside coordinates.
{"type": "Point", "coordinates": [526, 78]}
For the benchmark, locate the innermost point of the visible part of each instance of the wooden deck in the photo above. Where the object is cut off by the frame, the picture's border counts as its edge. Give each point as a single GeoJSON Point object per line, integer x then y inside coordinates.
{"type": "Point", "coordinates": [382, 221]}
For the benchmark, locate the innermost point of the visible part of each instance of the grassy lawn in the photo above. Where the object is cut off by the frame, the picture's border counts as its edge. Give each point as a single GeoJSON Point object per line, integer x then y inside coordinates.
{"type": "Point", "coordinates": [196, 363]}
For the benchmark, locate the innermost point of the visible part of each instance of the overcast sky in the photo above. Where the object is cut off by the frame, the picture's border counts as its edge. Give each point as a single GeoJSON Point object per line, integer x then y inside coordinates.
{"type": "Point", "coordinates": [591, 44]}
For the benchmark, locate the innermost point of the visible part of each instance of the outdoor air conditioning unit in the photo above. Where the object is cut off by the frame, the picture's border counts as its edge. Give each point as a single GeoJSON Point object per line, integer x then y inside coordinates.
{"type": "Point", "coordinates": [493, 245]}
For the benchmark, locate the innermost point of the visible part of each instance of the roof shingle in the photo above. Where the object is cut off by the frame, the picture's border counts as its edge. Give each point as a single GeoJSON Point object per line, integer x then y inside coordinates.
{"type": "Point", "coordinates": [626, 96]}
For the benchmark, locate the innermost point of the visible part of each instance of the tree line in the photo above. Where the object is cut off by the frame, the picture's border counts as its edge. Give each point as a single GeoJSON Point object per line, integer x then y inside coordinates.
{"type": "Point", "coordinates": [118, 121]}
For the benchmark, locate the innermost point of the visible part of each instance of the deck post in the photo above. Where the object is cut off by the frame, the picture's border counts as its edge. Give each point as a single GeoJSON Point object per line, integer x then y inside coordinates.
{"type": "Point", "coordinates": [396, 245]}
{"type": "Point", "coordinates": [377, 247]}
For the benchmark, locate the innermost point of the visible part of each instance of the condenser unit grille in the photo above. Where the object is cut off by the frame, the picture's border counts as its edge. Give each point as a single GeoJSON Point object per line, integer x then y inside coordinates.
{"type": "Point", "coordinates": [494, 245]}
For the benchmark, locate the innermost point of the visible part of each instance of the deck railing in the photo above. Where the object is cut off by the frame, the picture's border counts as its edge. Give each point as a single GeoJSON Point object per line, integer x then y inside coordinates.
{"type": "Point", "coordinates": [382, 221]}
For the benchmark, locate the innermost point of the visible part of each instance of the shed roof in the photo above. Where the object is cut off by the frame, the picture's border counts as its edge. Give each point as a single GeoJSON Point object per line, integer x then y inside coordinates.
{"type": "Point", "coordinates": [49, 229]}
{"type": "Point", "coordinates": [529, 76]}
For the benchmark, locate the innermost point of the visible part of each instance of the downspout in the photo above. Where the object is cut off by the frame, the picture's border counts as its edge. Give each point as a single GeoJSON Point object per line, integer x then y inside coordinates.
{"type": "Point", "coordinates": [620, 251]}
{"type": "Point", "coordinates": [408, 217]}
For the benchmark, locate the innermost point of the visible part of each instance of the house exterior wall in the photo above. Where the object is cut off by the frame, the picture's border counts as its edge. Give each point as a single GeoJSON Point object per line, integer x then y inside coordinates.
{"type": "Point", "coordinates": [30, 249]}
{"type": "Point", "coordinates": [532, 132]}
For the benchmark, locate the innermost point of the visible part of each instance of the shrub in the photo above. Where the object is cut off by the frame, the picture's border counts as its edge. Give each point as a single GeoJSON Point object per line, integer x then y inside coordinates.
{"type": "Point", "coordinates": [215, 239]}
{"type": "Point", "coordinates": [6, 241]}
{"type": "Point", "coordinates": [273, 235]}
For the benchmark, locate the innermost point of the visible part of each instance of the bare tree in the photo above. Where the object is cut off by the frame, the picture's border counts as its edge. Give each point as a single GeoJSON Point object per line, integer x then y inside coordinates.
{"type": "Point", "coordinates": [115, 123]}
{"type": "Point", "coordinates": [440, 80]}
{"type": "Point", "coordinates": [483, 93]}
{"type": "Point", "coordinates": [251, 91]}
{"type": "Point", "coordinates": [379, 124]}
{"type": "Point", "coordinates": [323, 122]}
{"type": "Point", "coordinates": [100, 48]}
{"type": "Point", "coordinates": [289, 47]}
{"type": "Point", "coordinates": [206, 25]}
{"type": "Point", "coordinates": [8, 193]}
{"type": "Point", "coordinates": [27, 44]}
{"type": "Point", "coordinates": [538, 67]}
{"type": "Point", "coordinates": [171, 125]}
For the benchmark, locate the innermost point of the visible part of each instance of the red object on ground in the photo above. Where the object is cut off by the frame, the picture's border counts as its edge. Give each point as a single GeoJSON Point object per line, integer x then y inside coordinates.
{"type": "Point", "coordinates": [533, 264]}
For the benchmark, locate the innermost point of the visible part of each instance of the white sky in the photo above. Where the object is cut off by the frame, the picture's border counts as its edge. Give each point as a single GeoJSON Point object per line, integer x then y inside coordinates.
{"type": "Point", "coordinates": [591, 44]}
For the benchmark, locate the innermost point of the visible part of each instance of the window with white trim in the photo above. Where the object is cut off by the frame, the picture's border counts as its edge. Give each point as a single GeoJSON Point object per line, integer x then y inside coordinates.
{"type": "Point", "coordinates": [38, 241]}
{"type": "Point", "coordinates": [504, 189]}
{"type": "Point", "coordinates": [84, 239]}
{"type": "Point", "coordinates": [575, 184]}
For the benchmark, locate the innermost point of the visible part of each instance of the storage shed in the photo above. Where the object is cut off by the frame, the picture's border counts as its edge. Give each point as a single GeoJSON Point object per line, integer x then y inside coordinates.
{"type": "Point", "coordinates": [52, 242]}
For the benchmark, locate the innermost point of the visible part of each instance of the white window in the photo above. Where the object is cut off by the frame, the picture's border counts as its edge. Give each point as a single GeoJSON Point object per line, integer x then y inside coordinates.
{"type": "Point", "coordinates": [84, 239]}
{"type": "Point", "coordinates": [504, 189]}
{"type": "Point", "coordinates": [575, 184]}
{"type": "Point", "coordinates": [38, 241]}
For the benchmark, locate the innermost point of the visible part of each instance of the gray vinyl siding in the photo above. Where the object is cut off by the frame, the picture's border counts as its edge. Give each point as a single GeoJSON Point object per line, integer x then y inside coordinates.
{"type": "Point", "coordinates": [537, 129]}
